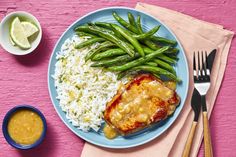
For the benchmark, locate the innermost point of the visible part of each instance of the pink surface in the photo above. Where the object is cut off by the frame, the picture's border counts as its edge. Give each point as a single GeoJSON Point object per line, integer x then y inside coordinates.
{"type": "Point", "coordinates": [23, 80]}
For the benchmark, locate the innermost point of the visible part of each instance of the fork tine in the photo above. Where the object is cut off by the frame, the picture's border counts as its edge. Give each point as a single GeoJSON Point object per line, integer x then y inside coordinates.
{"type": "Point", "coordinates": [194, 68]}
{"type": "Point", "coordinates": [194, 61]}
{"type": "Point", "coordinates": [203, 64]}
{"type": "Point", "coordinates": [199, 68]}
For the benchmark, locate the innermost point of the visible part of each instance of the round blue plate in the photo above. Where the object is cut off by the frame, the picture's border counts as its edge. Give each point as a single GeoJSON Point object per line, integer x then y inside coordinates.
{"type": "Point", "coordinates": [145, 135]}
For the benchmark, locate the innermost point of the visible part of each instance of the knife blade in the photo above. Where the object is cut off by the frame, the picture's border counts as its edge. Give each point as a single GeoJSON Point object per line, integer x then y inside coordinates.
{"type": "Point", "coordinates": [196, 104]}
{"type": "Point", "coordinates": [211, 58]}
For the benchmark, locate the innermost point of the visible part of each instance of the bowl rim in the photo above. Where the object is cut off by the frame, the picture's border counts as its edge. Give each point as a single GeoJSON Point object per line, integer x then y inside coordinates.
{"type": "Point", "coordinates": [33, 18]}
{"type": "Point", "coordinates": [5, 124]}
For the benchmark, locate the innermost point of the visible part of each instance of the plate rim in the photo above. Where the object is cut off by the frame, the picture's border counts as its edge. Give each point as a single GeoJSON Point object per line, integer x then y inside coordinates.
{"type": "Point", "coordinates": [105, 145]}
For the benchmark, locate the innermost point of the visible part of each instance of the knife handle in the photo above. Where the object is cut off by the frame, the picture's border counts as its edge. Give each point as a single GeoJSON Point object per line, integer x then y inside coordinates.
{"type": "Point", "coordinates": [189, 141]}
{"type": "Point", "coordinates": [207, 136]}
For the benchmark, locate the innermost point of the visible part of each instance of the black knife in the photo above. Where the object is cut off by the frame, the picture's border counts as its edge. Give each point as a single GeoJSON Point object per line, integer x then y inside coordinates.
{"type": "Point", "coordinates": [196, 106]}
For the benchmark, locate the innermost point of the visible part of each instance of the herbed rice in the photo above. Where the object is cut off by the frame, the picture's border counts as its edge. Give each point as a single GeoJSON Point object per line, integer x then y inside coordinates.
{"type": "Point", "coordinates": [83, 91]}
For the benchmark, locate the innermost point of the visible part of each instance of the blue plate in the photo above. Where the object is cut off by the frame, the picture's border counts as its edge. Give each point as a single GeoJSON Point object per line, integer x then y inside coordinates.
{"type": "Point", "coordinates": [145, 135]}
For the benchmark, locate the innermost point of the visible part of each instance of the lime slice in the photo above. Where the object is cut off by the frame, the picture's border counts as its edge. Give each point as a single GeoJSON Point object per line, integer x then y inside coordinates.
{"type": "Point", "coordinates": [29, 28]}
{"type": "Point", "coordinates": [17, 34]}
{"type": "Point", "coordinates": [12, 42]}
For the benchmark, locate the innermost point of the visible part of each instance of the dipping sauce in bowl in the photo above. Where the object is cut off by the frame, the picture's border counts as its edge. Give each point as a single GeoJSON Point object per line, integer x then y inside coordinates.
{"type": "Point", "coordinates": [24, 127]}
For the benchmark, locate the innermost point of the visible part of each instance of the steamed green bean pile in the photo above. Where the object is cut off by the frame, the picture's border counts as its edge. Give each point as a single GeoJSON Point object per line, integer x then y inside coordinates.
{"type": "Point", "coordinates": [127, 49]}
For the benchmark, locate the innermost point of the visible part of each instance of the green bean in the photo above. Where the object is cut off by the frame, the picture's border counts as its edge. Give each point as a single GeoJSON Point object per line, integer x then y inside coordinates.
{"type": "Point", "coordinates": [163, 57]}
{"type": "Point", "coordinates": [89, 42]}
{"type": "Point", "coordinates": [147, 50]}
{"type": "Point", "coordinates": [165, 65]}
{"type": "Point", "coordinates": [129, 37]}
{"type": "Point", "coordinates": [114, 61]}
{"type": "Point", "coordinates": [149, 43]}
{"type": "Point", "coordinates": [84, 34]}
{"type": "Point", "coordinates": [117, 33]}
{"type": "Point", "coordinates": [133, 71]}
{"type": "Point", "coordinates": [109, 53]}
{"type": "Point", "coordinates": [173, 56]}
{"type": "Point", "coordinates": [139, 30]}
{"type": "Point", "coordinates": [163, 40]}
{"type": "Point", "coordinates": [157, 70]}
{"type": "Point", "coordinates": [108, 26]}
{"type": "Point", "coordinates": [92, 29]}
{"type": "Point", "coordinates": [147, 34]}
{"type": "Point", "coordinates": [103, 24]}
{"type": "Point", "coordinates": [166, 59]}
{"type": "Point", "coordinates": [155, 63]}
{"type": "Point", "coordinates": [154, 38]}
{"type": "Point", "coordinates": [139, 61]}
{"type": "Point", "coordinates": [109, 36]}
{"type": "Point", "coordinates": [101, 47]}
{"type": "Point", "coordinates": [157, 76]}
{"type": "Point", "coordinates": [139, 26]}
{"type": "Point", "coordinates": [90, 24]}
{"type": "Point", "coordinates": [124, 73]}
{"type": "Point", "coordinates": [174, 51]}
{"type": "Point", "coordinates": [131, 19]}
{"type": "Point", "coordinates": [154, 46]}
{"type": "Point", "coordinates": [152, 63]}
{"type": "Point", "coordinates": [124, 23]}
{"type": "Point", "coordinates": [103, 29]}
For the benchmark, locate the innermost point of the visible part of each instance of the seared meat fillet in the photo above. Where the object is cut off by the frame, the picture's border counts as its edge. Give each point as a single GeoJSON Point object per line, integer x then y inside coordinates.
{"type": "Point", "coordinates": [141, 102]}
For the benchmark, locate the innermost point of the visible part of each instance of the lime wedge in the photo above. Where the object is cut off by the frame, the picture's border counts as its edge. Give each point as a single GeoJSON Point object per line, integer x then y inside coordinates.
{"type": "Point", "coordinates": [17, 34]}
{"type": "Point", "coordinates": [29, 28]}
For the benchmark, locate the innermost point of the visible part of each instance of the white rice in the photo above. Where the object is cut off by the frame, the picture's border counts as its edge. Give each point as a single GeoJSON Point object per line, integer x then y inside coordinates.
{"type": "Point", "coordinates": [83, 91]}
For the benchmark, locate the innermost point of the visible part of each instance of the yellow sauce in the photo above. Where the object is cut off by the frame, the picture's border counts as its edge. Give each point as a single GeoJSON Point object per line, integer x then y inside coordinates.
{"type": "Point", "coordinates": [109, 132]}
{"type": "Point", "coordinates": [25, 127]}
{"type": "Point", "coordinates": [137, 102]}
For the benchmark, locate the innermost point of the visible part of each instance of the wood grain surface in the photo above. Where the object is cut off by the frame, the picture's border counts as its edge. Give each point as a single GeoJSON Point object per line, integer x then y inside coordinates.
{"type": "Point", "coordinates": [23, 80]}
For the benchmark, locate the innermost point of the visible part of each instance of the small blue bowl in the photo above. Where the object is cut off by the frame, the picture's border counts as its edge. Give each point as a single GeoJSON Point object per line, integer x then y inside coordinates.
{"type": "Point", "coordinates": [5, 130]}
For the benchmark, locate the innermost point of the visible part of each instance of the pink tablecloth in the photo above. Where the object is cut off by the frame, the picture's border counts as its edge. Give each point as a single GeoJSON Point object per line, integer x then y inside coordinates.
{"type": "Point", "coordinates": [23, 80]}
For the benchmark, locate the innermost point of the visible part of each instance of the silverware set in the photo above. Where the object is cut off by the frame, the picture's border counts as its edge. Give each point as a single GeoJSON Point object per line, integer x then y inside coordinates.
{"type": "Point", "coordinates": [202, 65]}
